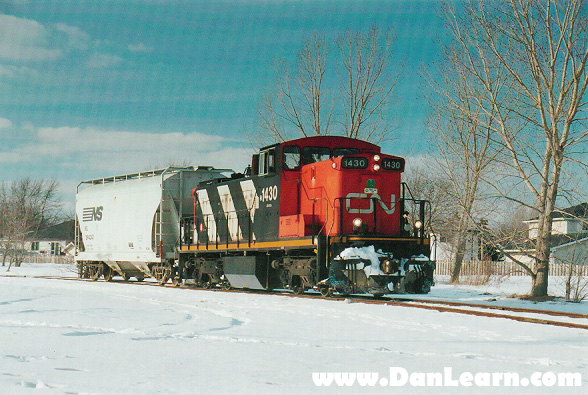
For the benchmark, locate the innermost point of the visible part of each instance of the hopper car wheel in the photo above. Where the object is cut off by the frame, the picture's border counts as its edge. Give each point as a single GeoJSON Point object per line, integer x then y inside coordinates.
{"type": "Point", "coordinates": [327, 292]}
{"type": "Point", "coordinates": [107, 271]}
{"type": "Point", "coordinates": [95, 273]}
{"type": "Point", "coordinates": [125, 277]}
{"type": "Point", "coordinates": [139, 278]}
{"type": "Point", "coordinates": [176, 281]}
{"type": "Point", "coordinates": [162, 276]}
{"type": "Point", "coordinates": [163, 279]}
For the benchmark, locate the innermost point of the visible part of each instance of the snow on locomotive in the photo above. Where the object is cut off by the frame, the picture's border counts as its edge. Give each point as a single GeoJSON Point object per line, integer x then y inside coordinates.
{"type": "Point", "coordinates": [326, 213]}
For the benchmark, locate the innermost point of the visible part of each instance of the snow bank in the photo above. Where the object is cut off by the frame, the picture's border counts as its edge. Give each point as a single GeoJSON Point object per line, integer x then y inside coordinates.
{"type": "Point", "coordinates": [101, 338]}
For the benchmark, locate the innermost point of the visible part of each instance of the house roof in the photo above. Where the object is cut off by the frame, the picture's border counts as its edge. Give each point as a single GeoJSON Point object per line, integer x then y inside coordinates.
{"type": "Point", "coordinates": [554, 241]}
{"type": "Point", "coordinates": [61, 231]}
{"type": "Point", "coordinates": [577, 211]}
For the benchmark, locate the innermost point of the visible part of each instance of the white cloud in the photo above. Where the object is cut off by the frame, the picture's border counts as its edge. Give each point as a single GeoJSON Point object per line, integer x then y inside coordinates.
{"type": "Point", "coordinates": [140, 48]}
{"type": "Point", "coordinates": [101, 61]}
{"type": "Point", "coordinates": [28, 53]}
{"type": "Point", "coordinates": [17, 72]}
{"type": "Point", "coordinates": [5, 123]}
{"type": "Point", "coordinates": [108, 152]}
{"type": "Point", "coordinates": [25, 40]}
{"type": "Point", "coordinates": [20, 31]}
{"type": "Point", "coordinates": [76, 37]}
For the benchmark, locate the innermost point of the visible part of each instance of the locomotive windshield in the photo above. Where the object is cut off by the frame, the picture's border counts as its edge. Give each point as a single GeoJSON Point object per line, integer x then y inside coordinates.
{"type": "Point", "coordinates": [337, 152]}
{"type": "Point", "coordinates": [291, 157]}
{"type": "Point", "coordinates": [315, 154]}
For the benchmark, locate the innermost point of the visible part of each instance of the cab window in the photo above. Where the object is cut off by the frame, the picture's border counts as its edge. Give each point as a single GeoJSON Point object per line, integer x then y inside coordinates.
{"type": "Point", "coordinates": [267, 162]}
{"type": "Point", "coordinates": [337, 152]}
{"type": "Point", "coordinates": [291, 156]}
{"type": "Point", "coordinates": [315, 154]}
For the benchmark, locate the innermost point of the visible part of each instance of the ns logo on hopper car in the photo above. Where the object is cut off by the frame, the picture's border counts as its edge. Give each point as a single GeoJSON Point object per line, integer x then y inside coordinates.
{"type": "Point", "coordinates": [92, 214]}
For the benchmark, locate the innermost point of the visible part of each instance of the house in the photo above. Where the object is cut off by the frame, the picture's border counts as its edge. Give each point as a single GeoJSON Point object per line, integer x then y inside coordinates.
{"type": "Point", "coordinates": [54, 240]}
{"type": "Point", "coordinates": [568, 239]}
{"type": "Point", "coordinates": [570, 221]}
{"type": "Point", "coordinates": [442, 249]}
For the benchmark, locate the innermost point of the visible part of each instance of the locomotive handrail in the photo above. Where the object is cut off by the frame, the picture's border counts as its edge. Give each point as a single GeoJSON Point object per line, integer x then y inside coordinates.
{"type": "Point", "coordinates": [217, 239]}
{"type": "Point", "coordinates": [374, 200]}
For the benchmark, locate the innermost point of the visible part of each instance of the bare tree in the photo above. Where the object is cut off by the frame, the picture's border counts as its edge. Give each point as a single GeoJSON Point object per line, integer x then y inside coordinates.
{"type": "Point", "coordinates": [301, 105]}
{"type": "Point", "coordinates": [529, 57]}
{"type": "Point", "coordinates": [295, 105]}
{"type": "Point", "coordinates": [367, 82]}
{"type": "Point", "coordinates": [464, 140]}
{"type": "Point", "coordinates": [428, 185]}
{"type": "Point", "coordinates": [25, 207]}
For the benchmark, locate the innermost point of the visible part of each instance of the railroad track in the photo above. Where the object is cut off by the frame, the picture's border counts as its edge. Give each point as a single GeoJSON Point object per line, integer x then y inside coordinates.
{"type": "Point", "coordinates": [535, 316]}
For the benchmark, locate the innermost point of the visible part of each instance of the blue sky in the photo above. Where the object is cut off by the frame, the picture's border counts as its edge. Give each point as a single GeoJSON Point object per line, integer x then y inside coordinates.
{"type": "Point", "coordinates": [103, 87]}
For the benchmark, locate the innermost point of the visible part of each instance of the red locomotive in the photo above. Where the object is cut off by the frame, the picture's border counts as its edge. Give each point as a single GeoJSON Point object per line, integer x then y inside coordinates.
{"type": "Point", "coordinates": [324, 212]}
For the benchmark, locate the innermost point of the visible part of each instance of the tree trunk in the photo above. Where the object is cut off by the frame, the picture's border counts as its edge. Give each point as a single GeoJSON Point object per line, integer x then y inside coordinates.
{"type": "Point", "coordinates": [540, 281]}
{"type": "Point", "coordinates": [459, 254]}
{"type": "Point", "coordinates": [542, 254]}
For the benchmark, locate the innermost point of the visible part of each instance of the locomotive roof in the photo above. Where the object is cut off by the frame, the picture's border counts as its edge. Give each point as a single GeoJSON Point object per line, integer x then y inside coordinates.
{"type": "Point", "coordinates": [330, 142]}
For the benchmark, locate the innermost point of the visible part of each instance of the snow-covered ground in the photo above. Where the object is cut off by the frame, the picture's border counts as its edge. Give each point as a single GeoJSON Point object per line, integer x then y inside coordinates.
{"type": "Point", "coordinates": [74, 337]}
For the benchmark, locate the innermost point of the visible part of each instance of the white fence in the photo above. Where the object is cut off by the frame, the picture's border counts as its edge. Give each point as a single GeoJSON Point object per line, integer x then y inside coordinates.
{"type": "Point", "coordinates": [479, 268]}
{"type": "Point", "coordinates": [42, 258]}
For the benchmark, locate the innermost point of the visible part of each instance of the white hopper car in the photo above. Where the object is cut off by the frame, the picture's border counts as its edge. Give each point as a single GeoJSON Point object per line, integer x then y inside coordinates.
{"type": "Point", "coordinates": [129, 225]}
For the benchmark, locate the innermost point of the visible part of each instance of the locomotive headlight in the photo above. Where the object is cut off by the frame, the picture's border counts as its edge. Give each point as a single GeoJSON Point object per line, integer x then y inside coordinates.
{"type": "Point", "coordinates": [376, 158]}
{"type": "Point", "coordinates": [418, 224]}
{"type": "Point", "coordinates": [357, 222]}
{"type": "Point", "coordinates": [376, 167]}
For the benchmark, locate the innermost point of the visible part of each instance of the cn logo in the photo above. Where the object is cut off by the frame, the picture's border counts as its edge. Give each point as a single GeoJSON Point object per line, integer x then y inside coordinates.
{"type": "Point", "coordinates": [387, 210]}
{"type": "Point", "coordinates": [92, 214]}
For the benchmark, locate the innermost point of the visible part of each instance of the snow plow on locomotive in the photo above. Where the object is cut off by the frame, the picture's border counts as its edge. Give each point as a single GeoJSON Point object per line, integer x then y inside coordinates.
{"type": "Point", "coordinates": [325, 213]}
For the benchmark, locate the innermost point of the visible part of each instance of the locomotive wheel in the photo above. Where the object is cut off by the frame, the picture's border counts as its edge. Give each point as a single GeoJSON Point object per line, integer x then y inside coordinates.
{"type": "Point", "coordinates": [298, 290]}
{"type": "Point", "coordinates": [107, 271]}
{"type": "Point", "coordinates": [327, 292]}
{"type": "Point", "coordinates": [205, 282]}
{"type": "Point", "coordinates": [176, 282]}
